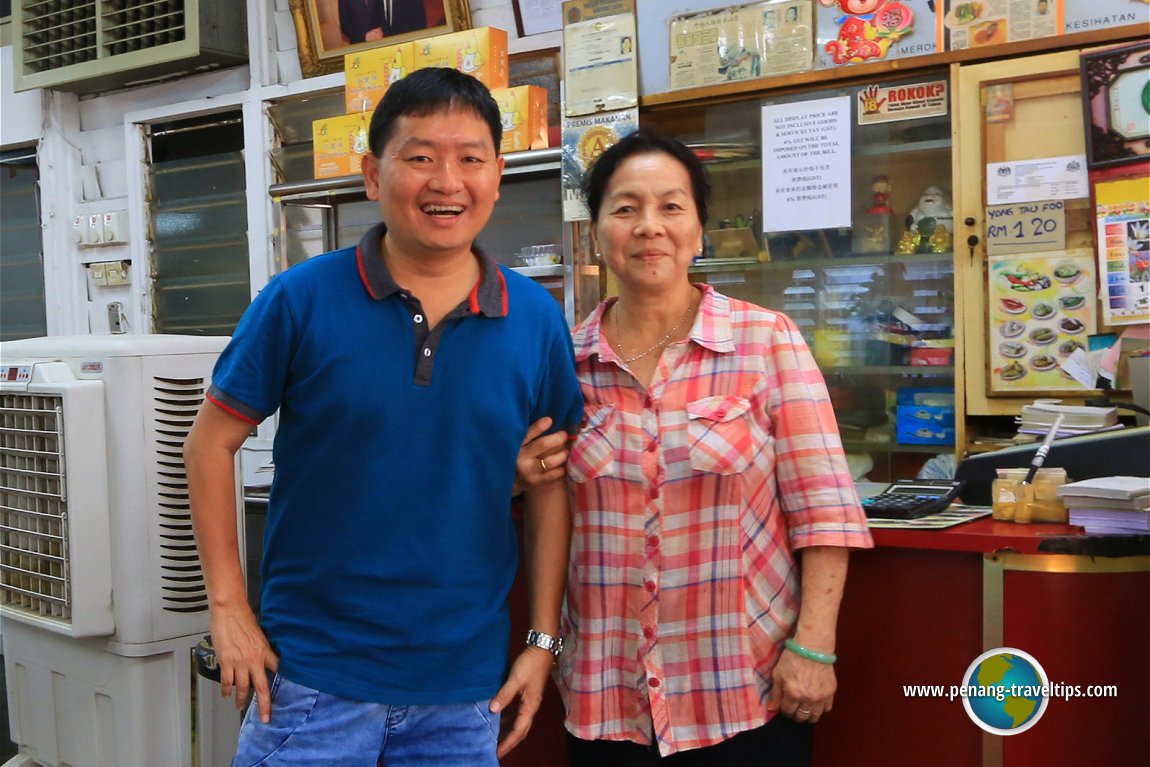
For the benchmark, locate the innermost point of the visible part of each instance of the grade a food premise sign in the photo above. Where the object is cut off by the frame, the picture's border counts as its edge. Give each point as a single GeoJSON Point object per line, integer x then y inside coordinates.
{"type": "Point", "coordinates": [901, 102]}
{"type": "Point", "coordinates": [807, 165]}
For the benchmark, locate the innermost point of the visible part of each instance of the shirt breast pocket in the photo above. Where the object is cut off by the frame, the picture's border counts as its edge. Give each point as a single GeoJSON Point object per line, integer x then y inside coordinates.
{"type": "Point", "coordinates": [593, 451]}
{"type": "Point", "coordinates": [721, 434]}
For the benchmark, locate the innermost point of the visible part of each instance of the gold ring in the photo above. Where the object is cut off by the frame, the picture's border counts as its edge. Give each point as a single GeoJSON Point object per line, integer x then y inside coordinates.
{"type": "Point", "coordinates": [543, 465]}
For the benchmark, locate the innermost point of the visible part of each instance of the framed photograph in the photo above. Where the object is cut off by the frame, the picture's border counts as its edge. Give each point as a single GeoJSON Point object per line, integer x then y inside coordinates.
{"type": "Point", "coordinates": [1116, 101]}
{"type": "Point", "coordinates": [327, 30]}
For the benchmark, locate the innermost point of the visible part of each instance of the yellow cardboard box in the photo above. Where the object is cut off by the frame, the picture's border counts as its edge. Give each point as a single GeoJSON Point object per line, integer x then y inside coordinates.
{"type": "Point", "coordinates": [523, 110]}
{"type": "Point", "coordinates": [480, 52]}
{"type": "Point", "coordinates": [338, 144]}
{"type": "Point", "coordinates": [370, 73]}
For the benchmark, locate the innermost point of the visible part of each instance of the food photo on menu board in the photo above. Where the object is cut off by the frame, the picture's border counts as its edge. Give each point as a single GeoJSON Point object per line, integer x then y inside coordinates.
{"type": "Point", "coordinates": [1042, 309]}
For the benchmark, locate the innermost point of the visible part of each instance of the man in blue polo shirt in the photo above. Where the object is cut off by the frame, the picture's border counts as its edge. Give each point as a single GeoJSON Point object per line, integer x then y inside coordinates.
{"type": "Point", "coordinates": [405, 372]}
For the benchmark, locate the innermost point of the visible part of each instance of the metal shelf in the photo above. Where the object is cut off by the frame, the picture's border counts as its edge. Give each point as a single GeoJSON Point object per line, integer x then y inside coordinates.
{"type": "Point", "coordinates": [863, 446]}
{"type": "Point", "coordinates": [323, 190]}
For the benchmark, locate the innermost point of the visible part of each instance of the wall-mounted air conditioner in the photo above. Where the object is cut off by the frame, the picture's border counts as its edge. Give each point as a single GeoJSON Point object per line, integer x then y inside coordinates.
{"type": "Point", "coordinates": [89, 46]}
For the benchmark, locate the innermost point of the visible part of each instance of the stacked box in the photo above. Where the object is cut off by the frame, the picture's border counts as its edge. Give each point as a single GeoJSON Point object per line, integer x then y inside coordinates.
{"type": "Point", "coordinates": [921, 424]}
{"type": "Point", "coordinates": [523, 110]}
{"type": "Point", "coordinates": [370, 73]}
{"type": "Point", "coordinates": [480, 52]}
{"type": "Point", "coordinates": [339, 144]}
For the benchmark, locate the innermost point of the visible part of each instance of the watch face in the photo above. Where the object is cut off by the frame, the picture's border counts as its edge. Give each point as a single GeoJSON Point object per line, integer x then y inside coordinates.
{"type": "Point", "coordinates": [1130, 104]}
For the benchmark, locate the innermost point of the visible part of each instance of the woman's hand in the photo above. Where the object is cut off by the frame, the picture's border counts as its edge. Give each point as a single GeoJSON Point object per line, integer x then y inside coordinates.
{"type": "Point", "coordinates": [542, 458]}
{"type": "Point", "coordinates": [803, 689]}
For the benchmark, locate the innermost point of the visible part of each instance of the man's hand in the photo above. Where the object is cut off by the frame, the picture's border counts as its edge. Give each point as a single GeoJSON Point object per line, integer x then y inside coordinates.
{"type": "Point", "coordinates": [526, 681]}
{"type": "Point", "coordinates": [244, 655]}
{"type": "Point", "coordinates": [373, 34]}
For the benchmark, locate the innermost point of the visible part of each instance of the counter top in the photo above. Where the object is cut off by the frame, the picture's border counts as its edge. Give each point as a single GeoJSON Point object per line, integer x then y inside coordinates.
{"type": "Point", "coordinates": [986, 536]}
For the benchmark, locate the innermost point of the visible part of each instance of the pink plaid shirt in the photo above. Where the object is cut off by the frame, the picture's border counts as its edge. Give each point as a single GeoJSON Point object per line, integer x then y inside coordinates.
{"type": "Point", "coordinates": [691, 498]}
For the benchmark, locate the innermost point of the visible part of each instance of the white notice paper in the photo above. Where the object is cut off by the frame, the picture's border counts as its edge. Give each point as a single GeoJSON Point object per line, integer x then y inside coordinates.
{"type": "Point", "coordinates": [1049, 178]}
{"type": "Point", "coordinates": [807, 165]}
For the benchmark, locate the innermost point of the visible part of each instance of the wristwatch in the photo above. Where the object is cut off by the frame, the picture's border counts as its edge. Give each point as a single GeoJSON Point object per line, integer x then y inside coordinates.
{"type": "Point", "coordinates": [553, 645]}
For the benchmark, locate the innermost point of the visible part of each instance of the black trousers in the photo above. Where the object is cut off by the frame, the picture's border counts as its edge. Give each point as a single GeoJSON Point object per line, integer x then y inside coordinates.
{"type": "Point", "coordinates": [782, 742]}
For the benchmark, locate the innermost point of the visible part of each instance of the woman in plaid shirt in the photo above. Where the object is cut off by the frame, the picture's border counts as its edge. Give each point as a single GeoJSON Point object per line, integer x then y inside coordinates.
{"type": "Point", "coordinates": [713, 506]}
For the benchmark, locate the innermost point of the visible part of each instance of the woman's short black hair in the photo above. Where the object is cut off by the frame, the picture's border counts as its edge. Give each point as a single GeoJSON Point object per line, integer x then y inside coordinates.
{"type": "Point", "coordinates": [646, 141]}
{"type": "Point", "coordinates": [428, 91]}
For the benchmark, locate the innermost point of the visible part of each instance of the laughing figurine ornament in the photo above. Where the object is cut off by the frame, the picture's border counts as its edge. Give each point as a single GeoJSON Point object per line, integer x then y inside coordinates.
{"type": "Point", "coordinates": [932, 212]}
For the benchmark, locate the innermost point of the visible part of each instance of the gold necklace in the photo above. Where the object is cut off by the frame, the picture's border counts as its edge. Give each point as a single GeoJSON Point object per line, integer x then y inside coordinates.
{"type": "Point", "coordinates": [662, 341]}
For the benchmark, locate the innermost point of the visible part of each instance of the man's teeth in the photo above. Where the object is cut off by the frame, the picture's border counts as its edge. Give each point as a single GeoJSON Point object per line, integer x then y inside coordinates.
{"type": "Point", "coordinates": [443, 210]}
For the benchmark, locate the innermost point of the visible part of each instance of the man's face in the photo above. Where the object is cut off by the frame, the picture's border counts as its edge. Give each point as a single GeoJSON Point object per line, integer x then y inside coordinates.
{"type": "Point", "coordinates": [436, 180]}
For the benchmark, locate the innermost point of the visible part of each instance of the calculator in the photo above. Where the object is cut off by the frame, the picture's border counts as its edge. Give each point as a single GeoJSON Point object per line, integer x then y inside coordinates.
{"type": "Point", "coordinates": [912, 498]}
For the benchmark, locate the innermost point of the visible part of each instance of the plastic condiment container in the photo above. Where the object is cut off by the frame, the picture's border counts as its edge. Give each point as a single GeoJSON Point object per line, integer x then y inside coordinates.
{"type": "Point", "coordinates": [1012, 501]}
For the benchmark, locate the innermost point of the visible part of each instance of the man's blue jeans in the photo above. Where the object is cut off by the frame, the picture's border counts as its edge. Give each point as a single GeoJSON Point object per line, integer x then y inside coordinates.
{"type": "Point", "coordinates": [309, 728]}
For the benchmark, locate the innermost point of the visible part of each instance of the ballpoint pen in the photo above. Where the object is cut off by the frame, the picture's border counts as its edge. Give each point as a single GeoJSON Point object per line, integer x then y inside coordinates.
{"type": "Point", "coordinates": [1040, 454]}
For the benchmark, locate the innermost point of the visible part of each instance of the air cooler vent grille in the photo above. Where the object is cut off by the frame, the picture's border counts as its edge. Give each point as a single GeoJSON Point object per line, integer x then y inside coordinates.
{"type": "Point", "coordinates": [175, 402]}
{"type": "Point", "coordinates": [34, 565]}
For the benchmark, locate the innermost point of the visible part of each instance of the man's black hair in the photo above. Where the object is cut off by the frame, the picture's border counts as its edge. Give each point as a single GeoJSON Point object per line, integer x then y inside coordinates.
{"type": "Point", "coordinates": [429, 91]}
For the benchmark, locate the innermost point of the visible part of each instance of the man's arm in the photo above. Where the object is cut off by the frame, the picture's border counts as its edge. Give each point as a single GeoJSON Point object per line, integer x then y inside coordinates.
{"type": "Point", "coordinates": [240, 644]}
{"type": "Point", "coordinates": [547, 540]}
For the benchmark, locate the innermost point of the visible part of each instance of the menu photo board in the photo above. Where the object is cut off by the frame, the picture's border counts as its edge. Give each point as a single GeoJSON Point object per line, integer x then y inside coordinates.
{"type": "Point", "coordinates": [1041, 311]}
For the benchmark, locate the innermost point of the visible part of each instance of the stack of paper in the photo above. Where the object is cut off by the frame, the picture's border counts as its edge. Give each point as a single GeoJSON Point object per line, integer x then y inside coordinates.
{"type": "Point", "coordinates": [1037, 418]}
{"type": "Point", "coordinates": [1109, 504]}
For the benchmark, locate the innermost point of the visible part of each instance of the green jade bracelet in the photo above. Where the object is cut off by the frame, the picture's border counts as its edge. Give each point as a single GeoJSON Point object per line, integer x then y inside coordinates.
{"type": "Point", "coordinates": [809, 654]}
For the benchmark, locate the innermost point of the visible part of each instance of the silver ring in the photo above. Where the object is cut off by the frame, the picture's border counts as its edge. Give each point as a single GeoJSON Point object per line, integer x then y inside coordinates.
{"type": "Point", "coordinates": [543, 465]}
{"type": "Point", "coordinates": [806, 711]}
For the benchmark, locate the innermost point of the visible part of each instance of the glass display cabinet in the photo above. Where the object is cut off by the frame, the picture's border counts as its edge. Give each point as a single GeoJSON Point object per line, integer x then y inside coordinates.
{"type": "Point", "coordinates": [874, 300]}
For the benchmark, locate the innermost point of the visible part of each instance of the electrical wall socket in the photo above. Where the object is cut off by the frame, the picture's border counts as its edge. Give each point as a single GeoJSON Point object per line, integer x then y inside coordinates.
{"type": "Point", "coordinates": [97, 275]}
{"type": "Point", "coordinates": [116, 272]}
{"type": "Point", "coordinates": [110, 273]}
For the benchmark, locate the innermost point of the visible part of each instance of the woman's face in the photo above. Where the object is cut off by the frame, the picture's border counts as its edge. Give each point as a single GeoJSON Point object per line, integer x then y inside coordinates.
{"type": "Point", "coordinates": [648, 229]}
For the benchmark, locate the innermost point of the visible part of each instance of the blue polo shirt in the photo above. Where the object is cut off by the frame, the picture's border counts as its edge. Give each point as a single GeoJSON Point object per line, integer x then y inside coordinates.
{"type": "Point", "coordinates": [389, 548]}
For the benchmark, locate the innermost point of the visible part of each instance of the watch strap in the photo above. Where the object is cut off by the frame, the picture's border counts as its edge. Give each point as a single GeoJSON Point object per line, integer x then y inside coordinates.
{"type": "Point", "coordinates": [553, 645]}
